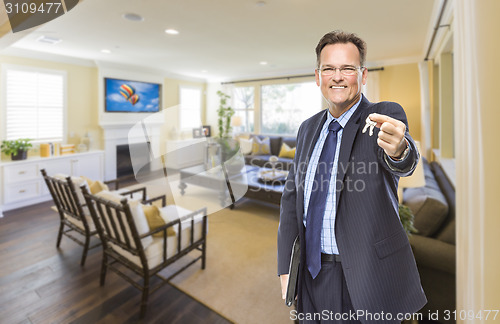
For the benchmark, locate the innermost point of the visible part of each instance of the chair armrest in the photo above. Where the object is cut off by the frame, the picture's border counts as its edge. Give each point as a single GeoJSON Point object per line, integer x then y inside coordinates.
{"type": "Point", "coordinates": [178, 222]}
{"type": "Point", "coordinates": [116, 183]}
{"type": "Point", "coordinates": [150, 201]}
{"type": "Point", "coordinates": [131, 192]}
{"type": "Point", "coordinates": [433, 253]}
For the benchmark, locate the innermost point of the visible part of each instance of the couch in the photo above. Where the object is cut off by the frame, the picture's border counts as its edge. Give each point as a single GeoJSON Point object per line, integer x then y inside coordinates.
{"type": "Point", "coordinates": [276, 141]}
{"type": "Point", "coordinates": [434, 245]}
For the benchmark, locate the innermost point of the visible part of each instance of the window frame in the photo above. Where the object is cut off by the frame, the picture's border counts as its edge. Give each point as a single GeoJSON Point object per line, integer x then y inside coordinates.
{"type": "Point", "coordinates": [191, 87]}
{"type": "Point", "coordinates": [287, 82]}
{"type": "Point", "coordinates": [247, 111]}
{"type": "Point", "coordinates": [3, 93]}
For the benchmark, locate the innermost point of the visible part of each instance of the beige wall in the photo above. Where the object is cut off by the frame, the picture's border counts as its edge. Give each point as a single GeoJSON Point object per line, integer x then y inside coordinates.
{"type": "Point", "coordinates": [401, 84]}
{"type": "Point", "coordinates": [82, 94]}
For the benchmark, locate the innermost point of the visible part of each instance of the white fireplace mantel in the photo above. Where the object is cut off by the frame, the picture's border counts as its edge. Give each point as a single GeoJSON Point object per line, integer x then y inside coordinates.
{"type": "Point", "coordinates": [118, 134]}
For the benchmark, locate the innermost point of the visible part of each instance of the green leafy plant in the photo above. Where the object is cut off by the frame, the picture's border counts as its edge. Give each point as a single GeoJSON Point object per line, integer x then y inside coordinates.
{"type": "Point", "coordinates": [225, 112]}
{"type": "Point", "coordinates": [407, 218]}
{"type": "Point", "coordinates": [228, 145]}
{"type": "Point", "coordinates": [14, 147]}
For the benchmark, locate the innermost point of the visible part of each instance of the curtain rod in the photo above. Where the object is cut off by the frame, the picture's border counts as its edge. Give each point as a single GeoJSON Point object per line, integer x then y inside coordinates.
{"type": "Point", "coordinates": [287, 77]}
{"type": "Point", "coordinates": [436, 28]}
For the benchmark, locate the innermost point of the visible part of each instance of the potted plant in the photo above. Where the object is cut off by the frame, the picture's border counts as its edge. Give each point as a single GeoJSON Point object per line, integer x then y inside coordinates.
{"type": "Point", "coordinates": [17, 149]}
{"type": "Point", "coordinates": [407, 218]}
{"type": "Point", "coordinates": [225, 113]}
{"type": "Point", "coordinates": [229, 146]}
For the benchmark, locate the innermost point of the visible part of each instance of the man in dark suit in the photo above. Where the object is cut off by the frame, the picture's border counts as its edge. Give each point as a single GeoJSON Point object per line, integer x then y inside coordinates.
{"type": "Point", "coordinates": [340, 199]}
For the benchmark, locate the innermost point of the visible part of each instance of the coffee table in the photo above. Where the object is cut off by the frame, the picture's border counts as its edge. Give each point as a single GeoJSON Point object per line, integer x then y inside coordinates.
{"type": "Point", "coordinates": [244, 183]}
{"type": "Point", "coordinates": [265, 191]}
{"type": "Point", "coordinates": [228, 184]}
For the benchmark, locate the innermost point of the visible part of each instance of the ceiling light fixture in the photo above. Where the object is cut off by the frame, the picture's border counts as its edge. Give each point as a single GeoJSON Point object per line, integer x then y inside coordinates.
{"type": "Point", "coordinates": [172, 31]}
{"type": "Point", "coordinates": [48, 40]}
{"type": "Point", "coordinates": [132, 17]}
{"type": "Point", "coordinates": [106, 51]}
{"type": "Point", "coordinates": [263, 63]}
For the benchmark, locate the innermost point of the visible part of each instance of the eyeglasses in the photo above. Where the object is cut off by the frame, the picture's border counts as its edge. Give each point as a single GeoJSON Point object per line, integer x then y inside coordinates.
{"type": "Point", "coordinates": [346, 70]}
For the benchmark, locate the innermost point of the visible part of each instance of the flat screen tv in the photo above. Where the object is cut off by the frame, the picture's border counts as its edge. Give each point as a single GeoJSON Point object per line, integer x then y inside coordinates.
{"type": "Point", "coordinates": [131, 96]}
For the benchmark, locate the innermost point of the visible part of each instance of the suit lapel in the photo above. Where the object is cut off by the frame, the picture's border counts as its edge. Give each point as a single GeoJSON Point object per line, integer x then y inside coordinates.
{"type": "Point", "coordinates": [348, 136]}
{"type": "Point", "coordinates": [310, 139]}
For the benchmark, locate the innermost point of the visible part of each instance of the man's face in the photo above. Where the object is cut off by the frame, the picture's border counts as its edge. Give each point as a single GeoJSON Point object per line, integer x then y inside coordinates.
{"type": "Point", "coordinates": [340, 91]}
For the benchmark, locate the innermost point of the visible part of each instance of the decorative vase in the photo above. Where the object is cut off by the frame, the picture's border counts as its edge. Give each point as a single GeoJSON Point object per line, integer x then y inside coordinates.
{"type": "Point", "coordinates": [234, 166]}
{"type": "Point", "coordinates": [86, 141]}
{"type": "Point", "coordinates": [212, 155]}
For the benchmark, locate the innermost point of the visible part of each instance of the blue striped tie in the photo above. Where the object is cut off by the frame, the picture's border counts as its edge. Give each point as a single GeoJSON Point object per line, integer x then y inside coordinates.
{"type": "Point", "coordinates": [317, 202]}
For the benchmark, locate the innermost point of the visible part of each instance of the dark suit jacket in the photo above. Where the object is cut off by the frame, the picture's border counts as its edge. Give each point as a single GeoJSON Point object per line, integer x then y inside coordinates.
{"type": "Point", "coordinates": [377, 260]}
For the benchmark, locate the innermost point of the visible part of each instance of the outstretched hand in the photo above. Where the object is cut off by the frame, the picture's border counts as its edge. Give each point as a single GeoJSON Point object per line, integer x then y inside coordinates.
{"type": "Point", "coordinates": [391, 137]}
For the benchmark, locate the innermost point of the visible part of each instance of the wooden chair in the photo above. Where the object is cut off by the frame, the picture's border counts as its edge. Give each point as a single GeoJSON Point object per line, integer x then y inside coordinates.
{"type": "Point", "coordinates": [127, 245]}
{"type": "Point", "coordinates": [75, 220]}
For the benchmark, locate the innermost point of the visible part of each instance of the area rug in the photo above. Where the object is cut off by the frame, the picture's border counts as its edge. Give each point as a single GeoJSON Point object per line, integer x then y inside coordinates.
{"type": "Point", "coordinates": [240, 280]}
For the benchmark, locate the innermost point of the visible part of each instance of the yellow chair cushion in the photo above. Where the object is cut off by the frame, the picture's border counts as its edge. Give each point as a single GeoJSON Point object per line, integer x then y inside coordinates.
{"type": "Point", "coordinates": [155, 220]}
{"type": "Point", "coordinates": [286, 151]}
{"type": "Point", "coordinates": [95, 186]}
{"type": "Point", "coordinates": [261, 146]}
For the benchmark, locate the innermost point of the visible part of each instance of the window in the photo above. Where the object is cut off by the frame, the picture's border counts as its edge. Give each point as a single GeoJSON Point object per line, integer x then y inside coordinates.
{"type": "Point", "coordinates": [286, 106]}
{"type": "Point", "coordinates": [243, 104]}
{"type": "Point", "coordinates": [35, 103]}
{"type": "Point", "coordinates": [190, 112]}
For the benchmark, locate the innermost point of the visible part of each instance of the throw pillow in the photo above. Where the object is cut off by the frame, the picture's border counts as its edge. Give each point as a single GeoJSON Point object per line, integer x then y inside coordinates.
{"type": "Point", "coordinates": [137, 214]}
{"type": "Point", "coordinates": [261, 146]}
{"type": "Point", "coordinates": [95, 186]}
{"type": "Point", "coordinates": [286, 151]}
{"type": "Point", "coordinates": [77, 183]}
{"type": "Point", "coordinates": [155, 220]}
{"type": "Point", "coordinates": [246, 146]}
{"type": "Point", "coordinates": [429, 207]}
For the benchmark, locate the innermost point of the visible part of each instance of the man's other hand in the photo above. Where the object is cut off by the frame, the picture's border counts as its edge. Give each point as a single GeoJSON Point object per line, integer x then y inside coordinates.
{"type": "Point", "coordinates": [391, 137]}
{"type": "Point", "coordinates": [284, 285]}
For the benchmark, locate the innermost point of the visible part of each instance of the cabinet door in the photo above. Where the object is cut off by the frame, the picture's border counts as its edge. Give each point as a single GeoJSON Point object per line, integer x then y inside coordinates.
{"type": "Point", "coordinates": [90, 166]}
{"type": "Point", "coordinates": [55, 166]}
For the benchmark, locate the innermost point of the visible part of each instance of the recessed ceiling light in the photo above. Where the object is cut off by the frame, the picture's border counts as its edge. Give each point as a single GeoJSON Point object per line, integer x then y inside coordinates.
{"type": "Point", "coordinates": [263, 63]}
{"type": "Point", "coordinates": [204, 71]}
{"type": "Point", "coordinates": [48, 40]}
{"type": "Point", "coordinates": [106, 51]}
{"type": "Point", "coordinates": [132, 17]}
{"type": "Point", "coordinates": [172, 31]}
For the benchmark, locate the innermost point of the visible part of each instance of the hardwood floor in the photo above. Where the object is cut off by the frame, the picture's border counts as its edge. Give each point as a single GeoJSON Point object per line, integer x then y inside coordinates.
{"type": "Point", "coordinates": [42, 284]}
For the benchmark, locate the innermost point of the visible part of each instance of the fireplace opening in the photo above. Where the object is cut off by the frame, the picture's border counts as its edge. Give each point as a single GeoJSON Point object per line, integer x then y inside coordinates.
{"type": "Point", "coordinates": [124, 168]}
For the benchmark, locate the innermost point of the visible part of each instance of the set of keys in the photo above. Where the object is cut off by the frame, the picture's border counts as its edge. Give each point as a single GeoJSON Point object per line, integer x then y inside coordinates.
{"type": "Point", "coordinates": [369, 124]}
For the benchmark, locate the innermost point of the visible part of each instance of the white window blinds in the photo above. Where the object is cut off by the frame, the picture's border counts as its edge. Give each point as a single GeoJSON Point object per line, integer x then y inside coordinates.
{"type": "Point", "coordinates": [34, 105]}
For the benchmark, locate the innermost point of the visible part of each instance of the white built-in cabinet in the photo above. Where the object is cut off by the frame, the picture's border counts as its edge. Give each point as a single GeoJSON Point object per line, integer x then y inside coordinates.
{"type": "Point", "coordinates": [21, 183]}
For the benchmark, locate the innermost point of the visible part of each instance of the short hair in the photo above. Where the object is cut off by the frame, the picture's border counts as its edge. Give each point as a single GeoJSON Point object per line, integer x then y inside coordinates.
{"type": "Point", "coordinates": [339, 36]}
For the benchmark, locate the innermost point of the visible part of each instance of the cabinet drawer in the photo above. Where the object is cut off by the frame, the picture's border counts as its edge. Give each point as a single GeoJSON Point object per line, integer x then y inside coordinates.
{"type": "Point", "coordinates": [21, 191]}
{"type": "Point", "coordinates": [19, 173]}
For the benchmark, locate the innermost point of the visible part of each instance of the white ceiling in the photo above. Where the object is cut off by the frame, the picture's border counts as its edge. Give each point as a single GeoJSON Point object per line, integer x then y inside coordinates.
{"type": "Point", "coordinates": [229, 38]}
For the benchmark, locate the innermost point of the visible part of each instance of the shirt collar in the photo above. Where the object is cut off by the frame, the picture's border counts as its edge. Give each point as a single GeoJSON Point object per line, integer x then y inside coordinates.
{"type": "Point", "coordinates": [344, 118]}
